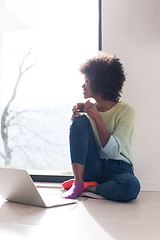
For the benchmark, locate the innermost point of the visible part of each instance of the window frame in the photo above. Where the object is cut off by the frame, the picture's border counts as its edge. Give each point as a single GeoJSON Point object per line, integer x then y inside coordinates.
{"type": "Point", "coordinates": [60, 178]}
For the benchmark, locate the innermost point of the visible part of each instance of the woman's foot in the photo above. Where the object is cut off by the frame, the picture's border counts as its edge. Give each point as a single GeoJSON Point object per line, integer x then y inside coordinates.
{"type": "Point", "coordinates": [74, 191]}
{"type": "Point", "coordinates": [91, 188]}
{"type": "Point", "coordinates": [68, 184]}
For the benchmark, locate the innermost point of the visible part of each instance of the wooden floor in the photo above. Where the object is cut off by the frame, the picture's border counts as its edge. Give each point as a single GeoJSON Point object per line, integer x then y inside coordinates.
{"type": "Point", "coordinates": [94, 219]}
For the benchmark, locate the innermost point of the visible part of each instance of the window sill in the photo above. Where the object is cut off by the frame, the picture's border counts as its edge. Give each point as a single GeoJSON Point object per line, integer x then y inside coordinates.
{"type": "Point", "coordinates": [48, 185]}
{"type": "Point", "coordinates": [49, 176]}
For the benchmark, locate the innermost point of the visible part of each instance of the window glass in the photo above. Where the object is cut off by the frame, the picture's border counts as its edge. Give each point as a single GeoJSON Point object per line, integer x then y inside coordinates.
{"type": "Point", "coordinates": [44, 44]}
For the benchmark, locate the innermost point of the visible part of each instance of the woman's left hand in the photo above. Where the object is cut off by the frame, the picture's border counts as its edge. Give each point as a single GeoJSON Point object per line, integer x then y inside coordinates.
{"type": "Point", "coordinates": [91, 110]}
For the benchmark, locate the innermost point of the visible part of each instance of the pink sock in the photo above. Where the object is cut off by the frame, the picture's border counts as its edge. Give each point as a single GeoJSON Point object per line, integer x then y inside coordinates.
{"type": "Point", "coordinates": [74, 191]}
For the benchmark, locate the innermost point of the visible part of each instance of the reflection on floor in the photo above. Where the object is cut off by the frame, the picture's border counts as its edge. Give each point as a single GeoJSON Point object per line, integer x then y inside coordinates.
{"type": "Point", "coordinates": [89, 219]}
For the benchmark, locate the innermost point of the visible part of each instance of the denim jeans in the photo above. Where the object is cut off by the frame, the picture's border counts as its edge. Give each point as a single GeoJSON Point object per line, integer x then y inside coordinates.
{"type": "Point", "coordinates": [116, 180]}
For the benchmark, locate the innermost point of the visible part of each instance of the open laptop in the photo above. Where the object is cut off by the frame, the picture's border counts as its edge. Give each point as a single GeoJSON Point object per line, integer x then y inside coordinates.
{"type": "Point", "coordinates": [17, 186]}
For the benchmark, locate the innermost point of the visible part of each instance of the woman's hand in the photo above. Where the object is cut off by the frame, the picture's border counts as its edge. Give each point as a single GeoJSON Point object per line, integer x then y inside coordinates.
{"type": "Point", "coordinates": [75, 111]}
{"type": "Point", "coordinates": [91, 110]}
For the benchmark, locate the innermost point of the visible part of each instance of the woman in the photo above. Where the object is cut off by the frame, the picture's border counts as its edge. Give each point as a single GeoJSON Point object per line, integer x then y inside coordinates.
{"type": "Point", "coordinates": [100, 142]}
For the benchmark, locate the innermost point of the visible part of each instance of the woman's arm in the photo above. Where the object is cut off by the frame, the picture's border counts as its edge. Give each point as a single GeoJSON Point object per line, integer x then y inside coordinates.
{"type": "Point", "coordinates": [103, 133]}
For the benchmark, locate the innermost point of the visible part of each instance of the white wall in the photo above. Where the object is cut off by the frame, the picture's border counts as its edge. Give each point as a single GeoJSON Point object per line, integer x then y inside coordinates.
{"type": "Point", "coordinates": [131, 30]}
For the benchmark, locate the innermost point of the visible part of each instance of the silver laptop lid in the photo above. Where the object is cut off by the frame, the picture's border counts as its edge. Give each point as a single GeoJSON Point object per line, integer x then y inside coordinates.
{"type": "Point", "coordinates": [16, 185]}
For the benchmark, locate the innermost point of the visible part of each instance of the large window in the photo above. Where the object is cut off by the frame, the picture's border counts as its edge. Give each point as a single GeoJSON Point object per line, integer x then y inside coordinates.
{"type": "Point", "coordinates": [44, 44]}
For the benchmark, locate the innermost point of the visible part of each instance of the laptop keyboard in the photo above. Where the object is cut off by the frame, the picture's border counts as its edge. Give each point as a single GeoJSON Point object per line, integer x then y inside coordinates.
{"type": "Point", "coordinates": [52, 197]}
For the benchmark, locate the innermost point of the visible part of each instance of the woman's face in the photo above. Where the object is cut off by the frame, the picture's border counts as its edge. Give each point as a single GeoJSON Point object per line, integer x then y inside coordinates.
{"type": "Point", "coordinates": [86, 89]}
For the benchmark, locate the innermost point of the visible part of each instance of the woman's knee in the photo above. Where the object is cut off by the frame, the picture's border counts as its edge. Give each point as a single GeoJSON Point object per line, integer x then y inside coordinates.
{"type": "Point", "coordinates": [80, 121]}
{"type": "Point", "coordinates": [123, 188]}
{"type": "Point", "coordinates": [131, 188]}
{"type": "Point", "coordinates": [80, 124]}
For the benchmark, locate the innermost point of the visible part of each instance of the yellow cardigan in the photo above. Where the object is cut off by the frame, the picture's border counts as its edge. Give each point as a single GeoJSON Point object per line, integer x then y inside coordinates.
{"type": "Point", "coordinates": [119, 121]}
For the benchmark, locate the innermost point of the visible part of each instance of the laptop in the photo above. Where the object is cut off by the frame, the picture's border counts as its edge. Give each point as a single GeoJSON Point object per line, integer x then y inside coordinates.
{"type": "Point", "coordinates": [17, 186]}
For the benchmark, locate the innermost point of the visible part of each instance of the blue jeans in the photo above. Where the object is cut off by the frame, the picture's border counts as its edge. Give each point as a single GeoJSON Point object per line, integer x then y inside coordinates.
{"type": "Point", "coordinates": [116, 180]}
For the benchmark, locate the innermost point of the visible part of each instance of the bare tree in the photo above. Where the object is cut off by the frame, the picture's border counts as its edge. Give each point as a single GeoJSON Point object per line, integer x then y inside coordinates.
{"type": "Point", "coordinates": [28, 135]}
{"type": "Point", "coordinates": [8, 116]}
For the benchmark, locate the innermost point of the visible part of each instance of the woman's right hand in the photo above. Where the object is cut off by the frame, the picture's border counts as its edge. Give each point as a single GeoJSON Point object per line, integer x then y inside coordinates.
{"type": "Point", "coordinates": [76, 112]}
